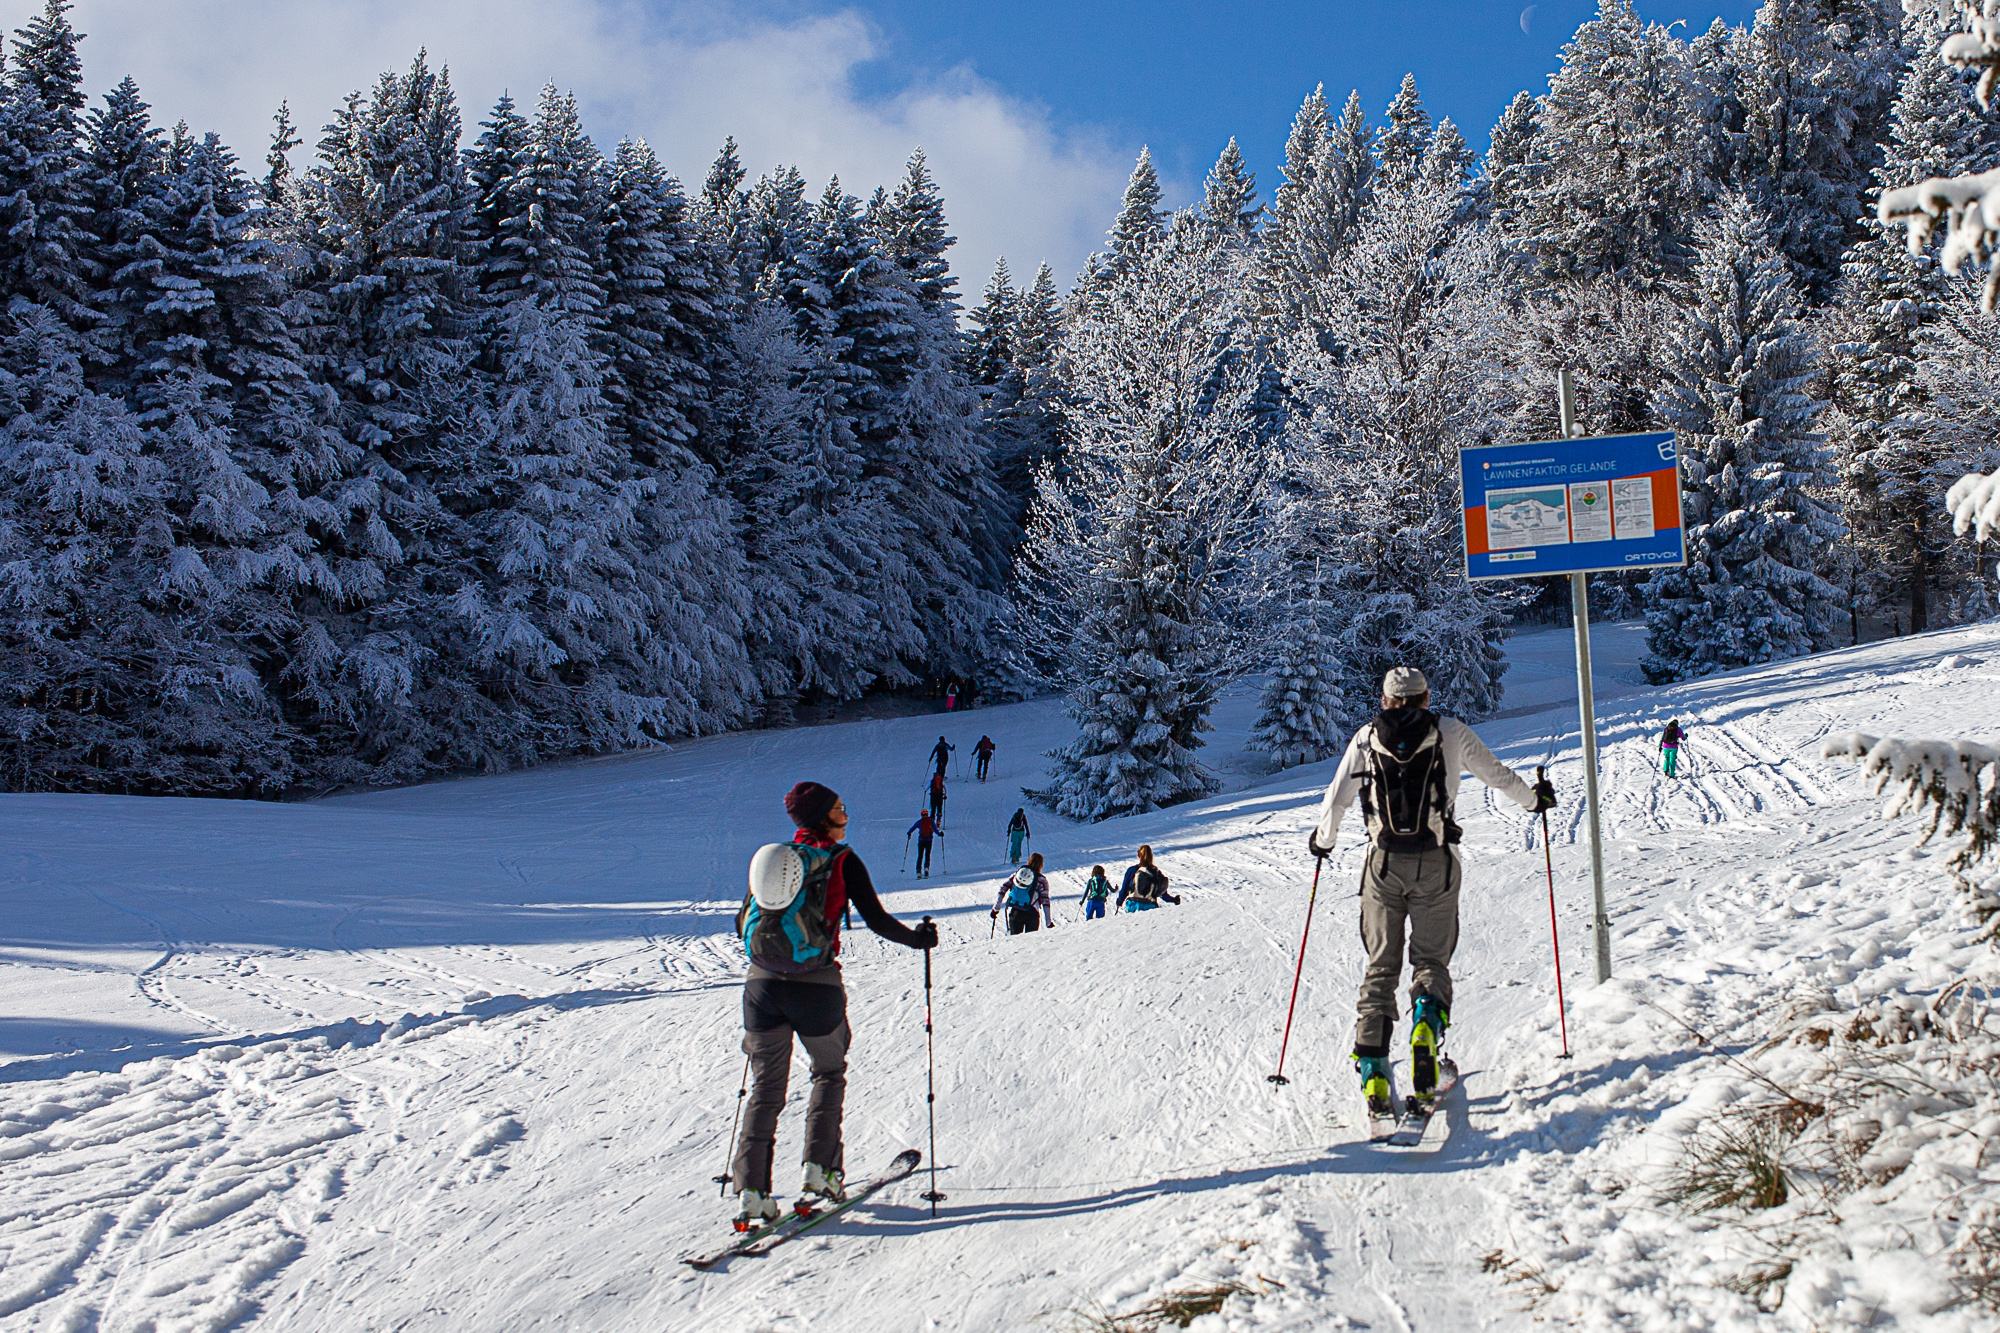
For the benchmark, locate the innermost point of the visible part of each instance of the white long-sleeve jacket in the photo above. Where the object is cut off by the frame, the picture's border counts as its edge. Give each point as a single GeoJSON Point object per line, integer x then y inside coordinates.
{"type": "Point", "coordinates": [1463, 752]}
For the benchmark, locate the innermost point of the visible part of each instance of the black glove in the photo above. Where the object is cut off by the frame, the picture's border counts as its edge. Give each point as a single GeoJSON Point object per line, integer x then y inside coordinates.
{"type": "Point", "coordinates": [927, 935]}
{"type": "Point", "coordinates": [995, 914]}
{"type": "Point", "coordinates": [1312, 845]}
{"type": "Point", "coordinates": [1545, 797]}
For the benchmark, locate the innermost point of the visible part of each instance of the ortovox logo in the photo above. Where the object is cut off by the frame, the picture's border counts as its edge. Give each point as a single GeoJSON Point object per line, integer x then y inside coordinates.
{"type": "Point", "coordinates": [1667, 449]}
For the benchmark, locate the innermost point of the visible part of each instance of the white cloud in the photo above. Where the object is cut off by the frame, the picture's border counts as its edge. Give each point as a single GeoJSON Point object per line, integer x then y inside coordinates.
{"type": "Point", "coordinates": [681, 75]}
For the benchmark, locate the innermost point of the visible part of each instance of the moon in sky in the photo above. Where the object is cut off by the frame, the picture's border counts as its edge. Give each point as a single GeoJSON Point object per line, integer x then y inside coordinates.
{"type": "Point", "coordinates": [1527, 15]}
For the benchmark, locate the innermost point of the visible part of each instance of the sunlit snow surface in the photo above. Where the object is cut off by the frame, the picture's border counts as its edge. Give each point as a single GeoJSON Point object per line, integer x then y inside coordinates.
{"type": "Point", "coordinates": [463, 1056]}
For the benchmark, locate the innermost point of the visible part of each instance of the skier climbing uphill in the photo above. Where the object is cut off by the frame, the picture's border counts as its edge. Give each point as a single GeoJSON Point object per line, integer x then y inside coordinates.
{"type": "Point", "coordinates": [1145, 885]}
{"type": "Point", "coordinates": [790, 927]}
{"type": "Point", "coordinates": [1022, 894]}
{"type": "Point", "coordinates": [1670, 746]}
{"type": "Point", "coordinates": [1017, 833]}
{"type": "Point", "coordinates": [941, 754]}
{"type": "Point", "coordinates": [937, 798]}
{"type": "Point", "coordinates": [984, 750]}
{"type": "Point", "coordinates": [1095, 890]}
{"type": "Point", "coordinates": [1405, 766]}
{"type": "Point", "coordinates": [925, 828]}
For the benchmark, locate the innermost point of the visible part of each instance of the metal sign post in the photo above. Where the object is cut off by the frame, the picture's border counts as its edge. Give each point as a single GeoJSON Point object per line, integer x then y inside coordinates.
{"type": "Point", "coordinates": [1575, 506]}
{"type": "Point", "coordinates": [1586, 701]}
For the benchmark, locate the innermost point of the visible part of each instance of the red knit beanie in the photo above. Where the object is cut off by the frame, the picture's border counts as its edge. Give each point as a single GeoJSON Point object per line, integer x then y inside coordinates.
{"type": "Point", "coordinates": [809, 804]}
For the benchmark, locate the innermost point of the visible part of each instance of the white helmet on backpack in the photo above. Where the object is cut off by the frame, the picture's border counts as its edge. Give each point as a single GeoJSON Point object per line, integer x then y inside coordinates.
{"type": "Point", "coordinates": [1025, 877]}
{"type": "Point", "coordinates": [776, 875]}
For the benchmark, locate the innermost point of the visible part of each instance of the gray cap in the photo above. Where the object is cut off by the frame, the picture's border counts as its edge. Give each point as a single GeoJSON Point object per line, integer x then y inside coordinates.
{"type": "Point", "coordinates": [1404, 682]}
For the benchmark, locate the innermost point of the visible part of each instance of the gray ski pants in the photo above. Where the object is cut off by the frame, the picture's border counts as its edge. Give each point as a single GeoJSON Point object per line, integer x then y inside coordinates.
{"type": "Point", "coordinates": [1413, 893]}
{"type": "Point", "coordinates": [773, 1012]}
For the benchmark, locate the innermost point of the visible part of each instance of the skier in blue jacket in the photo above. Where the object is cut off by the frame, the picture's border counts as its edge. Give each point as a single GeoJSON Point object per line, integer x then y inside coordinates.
{"type": "Point", "coordinates": [1145, 885]}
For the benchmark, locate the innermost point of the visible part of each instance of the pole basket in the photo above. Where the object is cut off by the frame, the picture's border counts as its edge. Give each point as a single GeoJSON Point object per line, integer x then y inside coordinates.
{"type": "Point", "coordinates": [1276, 1078]}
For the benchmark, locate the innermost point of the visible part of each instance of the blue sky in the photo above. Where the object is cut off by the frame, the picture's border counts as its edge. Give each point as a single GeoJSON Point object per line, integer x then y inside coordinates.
{"type": "Point", "coordinates": [1185, 76]}
{"type": "Point", "coordinates": [1031, 112]}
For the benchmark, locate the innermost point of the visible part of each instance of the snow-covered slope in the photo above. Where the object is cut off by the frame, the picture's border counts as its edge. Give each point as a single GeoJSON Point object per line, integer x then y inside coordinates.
{"type": "Point", "coordinates": [463, 1056]}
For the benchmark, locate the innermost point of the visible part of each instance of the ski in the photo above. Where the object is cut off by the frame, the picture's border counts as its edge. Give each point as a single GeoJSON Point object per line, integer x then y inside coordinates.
{"type": "Point", "coordinates": [1412, 1128]}
{"type": "Point", "coordinates": [765, 1239]}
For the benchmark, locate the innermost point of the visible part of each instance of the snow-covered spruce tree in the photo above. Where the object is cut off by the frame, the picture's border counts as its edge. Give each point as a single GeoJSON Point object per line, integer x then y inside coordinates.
{"type": "Point", "coordinates": [1329, 170]}
{"type": "Point", "coordinates": [121, 659]}
{"type": "Point", "coordinates": [1303, 714]}
{"type": "Point", "coordinates": [1752, 467]}
{"type": "Point", "coordinates": [382, 223]}
{"type": "Point", "coordinates": [658, 330]}
{"type": "Point", "coordinates": [1136, 230]}
{"type": "Point", "coordinates": [1616, 177]}
{"type": "Point", "coordinates": [42, 194]}
{"type": "Point", "coordinates": [1816, 80]}
{"type": "Point", "coordinates": [1894, 445]}
{"type": "Point", "coordinates": [968, 522]}
{"type": "Point", "coordinates": [1400, 143]}
{"type": "Point", "coordinates": [1393, 378]}
{"type": "Point", "coordinates": [1229, 196]}
{"type": "Point", "coordinates": [1133, 534]}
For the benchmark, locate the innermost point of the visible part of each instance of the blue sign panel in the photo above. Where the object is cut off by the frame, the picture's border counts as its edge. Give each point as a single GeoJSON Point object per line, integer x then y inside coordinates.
{"type": "Point", "coordinates": [1572, 506]}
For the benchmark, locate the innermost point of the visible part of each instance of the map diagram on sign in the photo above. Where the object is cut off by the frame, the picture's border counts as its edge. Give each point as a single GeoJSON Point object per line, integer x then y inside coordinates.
{"type": "Point", "coordinates": [1537, 517]}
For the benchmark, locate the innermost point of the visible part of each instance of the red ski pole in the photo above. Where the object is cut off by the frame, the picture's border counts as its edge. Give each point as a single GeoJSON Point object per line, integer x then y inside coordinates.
{"type": "Point", "coordinates": [1297, 972]}
{"type": "Point", "coordinates": [1548, 860]}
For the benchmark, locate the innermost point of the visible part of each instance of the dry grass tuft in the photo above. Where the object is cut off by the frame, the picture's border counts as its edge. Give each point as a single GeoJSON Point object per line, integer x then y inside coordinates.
{"type": "Point", "coordinates": [1736, 1164]}
{"type": "Point", "coordinates": [1523, 1271]}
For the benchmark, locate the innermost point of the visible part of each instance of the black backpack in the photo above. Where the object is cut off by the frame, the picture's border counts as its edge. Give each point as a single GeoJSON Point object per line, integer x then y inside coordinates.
{"type": "Point", "coordinates": [793, 937]}
{"type": "Point", "coordinates": [1403, 797]}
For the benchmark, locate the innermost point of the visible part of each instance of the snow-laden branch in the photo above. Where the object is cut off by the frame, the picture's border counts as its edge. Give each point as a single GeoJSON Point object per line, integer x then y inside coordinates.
{"type": "Point", "coordinates": [1955, 783]}
{"type": "Point", "coordinates": [1968, 205]}
{"type": "Point", "coordinates": [1974, 501]}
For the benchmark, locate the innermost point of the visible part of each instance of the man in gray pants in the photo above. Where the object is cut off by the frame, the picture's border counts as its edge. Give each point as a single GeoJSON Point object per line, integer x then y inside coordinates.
{"type": "Point", "coordinates": [1405, 767]}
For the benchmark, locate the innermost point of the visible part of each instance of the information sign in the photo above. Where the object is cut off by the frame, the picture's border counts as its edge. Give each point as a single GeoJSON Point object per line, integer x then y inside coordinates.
{"type": "Point", "coordinates": [1572, 506]}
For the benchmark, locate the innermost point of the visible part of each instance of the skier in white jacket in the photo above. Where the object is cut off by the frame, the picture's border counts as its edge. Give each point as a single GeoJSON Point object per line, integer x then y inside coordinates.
{"type": "Point", "coordinates": [1405, 766]}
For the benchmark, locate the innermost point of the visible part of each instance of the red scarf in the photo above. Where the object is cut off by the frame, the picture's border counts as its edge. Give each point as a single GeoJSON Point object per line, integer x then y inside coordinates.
{"type": "Point", "coordinates": [836, 882]}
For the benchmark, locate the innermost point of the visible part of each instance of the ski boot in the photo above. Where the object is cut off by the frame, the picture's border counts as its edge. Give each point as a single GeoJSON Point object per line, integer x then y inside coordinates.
{"type": "Point", "coordinates": [1428, 1021]}
{"type": "Point", "coordinates": [756, 1209]}
{"type": "Point", "coordinates": [822, 1183]}
{"type": "Point", "coordinates": [1375, 1090]}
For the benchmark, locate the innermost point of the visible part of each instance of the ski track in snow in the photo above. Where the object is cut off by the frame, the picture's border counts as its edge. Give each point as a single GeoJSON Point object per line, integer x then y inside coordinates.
{"type": "Point", "coordinates": [463, 1056]}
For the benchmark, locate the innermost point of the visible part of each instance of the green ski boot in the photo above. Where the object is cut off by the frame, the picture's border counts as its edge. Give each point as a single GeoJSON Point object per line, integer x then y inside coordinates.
{"type": "Point", "coordinates": [1428, 1021]}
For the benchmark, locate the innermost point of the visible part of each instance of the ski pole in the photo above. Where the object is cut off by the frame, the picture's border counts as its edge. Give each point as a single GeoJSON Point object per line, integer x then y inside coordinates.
{"type": "Point", "coordinates": [1304, 935]}
{"type": "Point", "coordinates": [741, 1092]}
{"type": "Point", "coordinates": [930, 1080]}
{"type": "Point", "coordinates": [1548, 860]}
{"type": "Point", "coordinates": [906, 855]}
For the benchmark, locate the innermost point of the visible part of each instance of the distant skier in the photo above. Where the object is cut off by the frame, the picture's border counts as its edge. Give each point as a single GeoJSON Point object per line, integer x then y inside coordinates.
{"type": "Point", "coordinates": [1022, 893]}
{"type": "Point", "coordinates": [1017, 833]}
{"type": "Point", "coordinates": [941, 755]}
{"type": "Point", "coordinates": [1670, 746]}
{"type": "Point", "coordinates": [790, 927]}
{"type": "Point", "coordinates": [1145, 885]}
{"type": "Point", "coordinates": [937, 799]}
{"type": "Point", "coordinates": [951, 697]}
{"type": "Point", "coordinates": [925, 828]}
{"type": "Point", "coordinates": [984, 750]}
{"type": "Point", "coordinates": [1095, 890]}
{"type": "Point", "coordinates": [1405, 766]}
